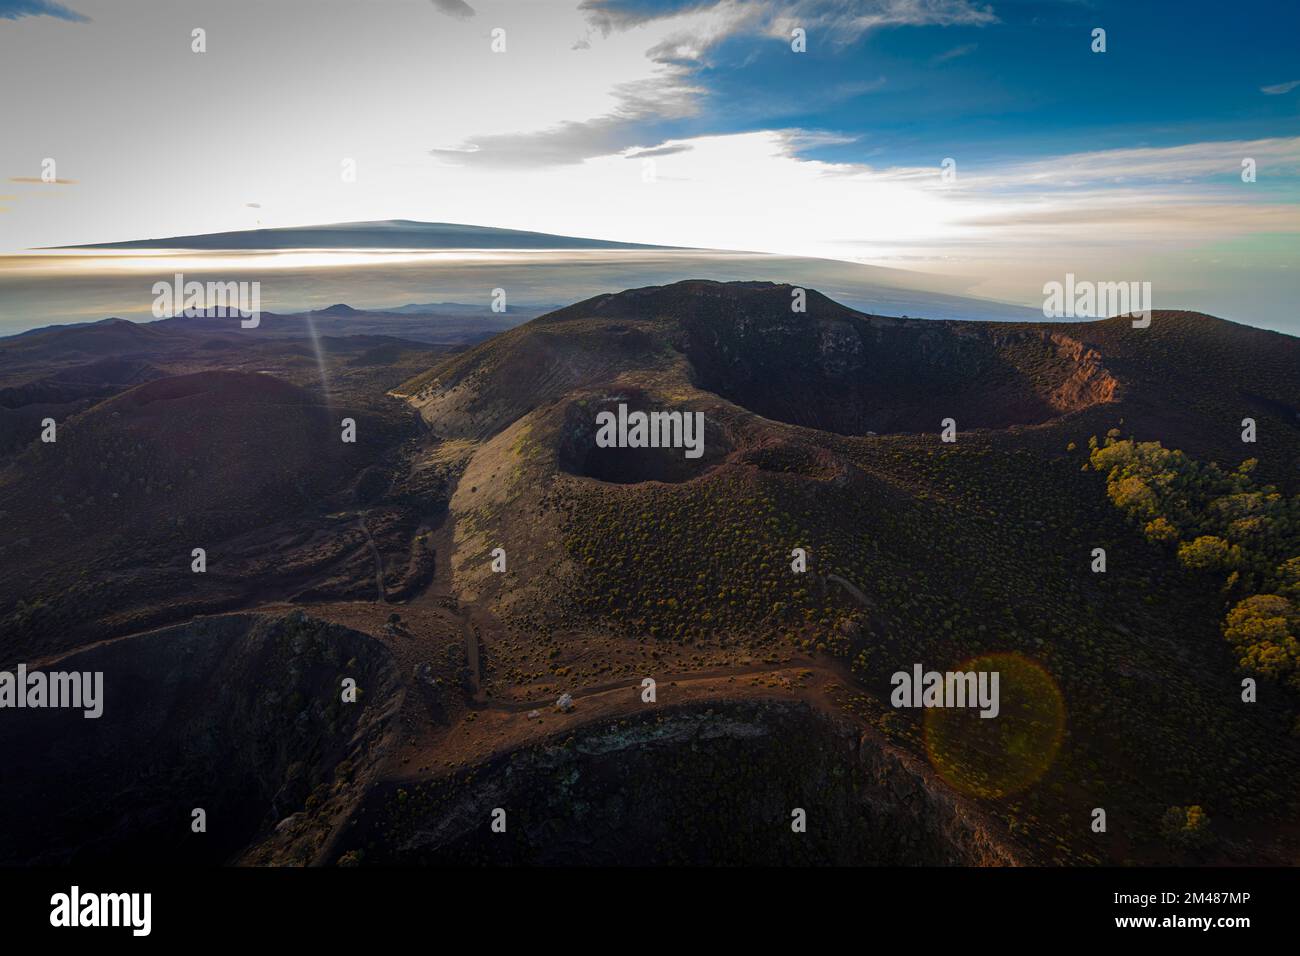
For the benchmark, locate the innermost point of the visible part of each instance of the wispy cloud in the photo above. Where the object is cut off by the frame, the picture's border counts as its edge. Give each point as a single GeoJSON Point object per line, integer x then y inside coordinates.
{"type": "Point", "coordinates": [1280, 88]}
{"type": "Point", "coordinates": [845, 21]}
{"type": "Point", "coordinates": [566, 144]}
{"type": "Point", "coordinates": [668, 149]}
{"type": "Point", "coordinates": [668, 94]}
{"type": "Point", "coordinates": [43, 182]}
{"type": "Point", "coordinates": [954, 53]}
{"type": "Point", "coordinates": [1128, 215]}
{"type": "Point", "coordinates": [17, 9]}
{"type": "Point", "coordinates": [1186, 163]}
{"type": "Point", "coordinates": [841, 21]}
{"type": "Point", "coordinates": [454, 8]}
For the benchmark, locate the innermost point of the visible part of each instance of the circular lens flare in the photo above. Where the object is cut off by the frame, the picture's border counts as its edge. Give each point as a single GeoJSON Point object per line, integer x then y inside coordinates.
{"type": "Point", "coordinates": [996, 756]}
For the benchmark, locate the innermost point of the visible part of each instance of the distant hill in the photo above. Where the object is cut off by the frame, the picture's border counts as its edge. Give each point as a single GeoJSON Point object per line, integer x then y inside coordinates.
{"type": "Point", "coordinates": [455, 308]}
{"type": "Point", "coordinates": [559, 270]}
{"type": "Point", "coordinates": [387, 234]}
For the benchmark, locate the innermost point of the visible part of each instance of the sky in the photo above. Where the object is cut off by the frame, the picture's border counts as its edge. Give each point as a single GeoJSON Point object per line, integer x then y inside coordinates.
{"type": "Point", "coordinates": [687, 123]}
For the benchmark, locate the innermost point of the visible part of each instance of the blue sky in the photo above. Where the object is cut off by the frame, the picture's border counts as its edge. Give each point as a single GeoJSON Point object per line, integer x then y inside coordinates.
{"type": "Point", "coordinates": [1028, 84]}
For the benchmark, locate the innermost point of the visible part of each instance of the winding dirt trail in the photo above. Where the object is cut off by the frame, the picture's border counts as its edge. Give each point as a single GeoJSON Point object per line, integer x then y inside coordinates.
{"type": "Point", "coordinates": [379, 561]}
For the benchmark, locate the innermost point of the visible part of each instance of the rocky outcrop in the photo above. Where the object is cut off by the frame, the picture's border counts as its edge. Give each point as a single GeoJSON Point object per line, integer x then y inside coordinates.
{"type": "Point", "coordinates": [721, 783]}
{"type": "Point", "coordinates": [1087, 383]}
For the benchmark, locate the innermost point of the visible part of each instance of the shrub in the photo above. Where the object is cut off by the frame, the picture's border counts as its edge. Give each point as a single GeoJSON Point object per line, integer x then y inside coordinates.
{"type": "Point", "coordinates": [1187, 827]}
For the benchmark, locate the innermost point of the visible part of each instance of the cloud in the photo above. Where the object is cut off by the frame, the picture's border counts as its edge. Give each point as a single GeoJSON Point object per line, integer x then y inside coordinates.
{"type": "Point", "coordinates": [1120, 199]}
{"type": "Point", "coordinates": [1280, 88]}
{"type": "Point", "coordinates": [664, 96]}
{"type": "Point", "coordinates": [17, 9]}
{"type": "Point", "coordinates": [666, 150]}
{"type": "Point", "coordinates": [672, 45]}
{"type": "Point", "coordinates": [1122, 214]}
{"type": "Point", "coordinates": [567, 144]}
{"type": "Point", "coordinates": [843, 21]}
{"type": "Point", "coordinates": [454, 8]}
{"type": "Point", "coordinates": [609, 16]}
{"type": "Point", "coordinates": [678, 36]}
{"type": "Point", "coordinates": [1144, 165]}
{"type": "Point", "coordinates": [954, 53]}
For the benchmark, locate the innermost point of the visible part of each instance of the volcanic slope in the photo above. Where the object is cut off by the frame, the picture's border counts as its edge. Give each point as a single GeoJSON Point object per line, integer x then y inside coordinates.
{"type": "Point", "coordinates": [823, 433]}
{"type": "Point", "coordinates": [103, 522]}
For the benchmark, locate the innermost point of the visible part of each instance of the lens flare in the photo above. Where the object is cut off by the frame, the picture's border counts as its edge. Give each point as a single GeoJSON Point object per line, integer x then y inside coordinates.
{"type": "Point", "coordinates": [994, 757]}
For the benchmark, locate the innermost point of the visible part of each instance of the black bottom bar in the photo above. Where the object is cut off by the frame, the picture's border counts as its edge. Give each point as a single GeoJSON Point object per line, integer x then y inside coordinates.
{"type": "Point", "coordinates": [550, 906]}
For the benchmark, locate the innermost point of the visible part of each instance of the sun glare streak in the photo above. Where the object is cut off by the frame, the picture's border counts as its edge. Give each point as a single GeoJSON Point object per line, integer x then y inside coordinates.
{"type": "Point", "coordinates": [320, 361]}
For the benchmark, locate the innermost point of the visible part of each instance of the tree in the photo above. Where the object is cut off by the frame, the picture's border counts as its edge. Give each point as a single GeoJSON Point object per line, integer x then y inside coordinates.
{"type": "Point", "coordinates": [1161, 531]}
{"type": "Point", "coordinates": [1134, 496]}
{"type": "Point", "coordinates": [1209, 553]}
{"type": "Point", "coordinates": [1263, 628]}
{"type": "Point", "coordinates": [1288, 573]}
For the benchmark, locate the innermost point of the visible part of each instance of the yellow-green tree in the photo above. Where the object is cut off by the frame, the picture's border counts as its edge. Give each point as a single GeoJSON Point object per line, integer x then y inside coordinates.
{"type": "Point", "coordinates": [1263, 628]}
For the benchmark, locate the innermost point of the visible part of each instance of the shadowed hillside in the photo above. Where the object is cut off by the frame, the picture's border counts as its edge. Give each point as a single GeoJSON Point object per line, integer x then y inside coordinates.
{"type": "Point", "coordinates": [104, 519]}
